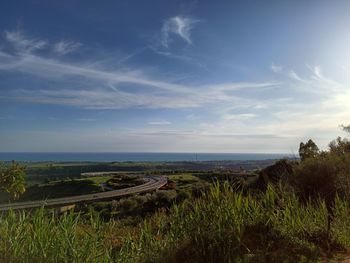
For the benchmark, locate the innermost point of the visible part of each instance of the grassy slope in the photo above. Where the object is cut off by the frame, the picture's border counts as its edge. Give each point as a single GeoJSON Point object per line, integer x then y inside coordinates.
{"type": "Point", "coordinates": [221, 226]}
{"type": "Point", "coordinates": [98, 179]}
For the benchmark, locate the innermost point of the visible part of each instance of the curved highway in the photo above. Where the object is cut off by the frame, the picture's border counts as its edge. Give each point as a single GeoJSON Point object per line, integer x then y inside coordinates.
{"type": "Point", "coordinates": [153, 183]}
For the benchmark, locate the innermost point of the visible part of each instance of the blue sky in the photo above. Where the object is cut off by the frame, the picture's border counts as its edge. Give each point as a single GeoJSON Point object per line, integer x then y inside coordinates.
{"type": "Point", "coordinates": [173, 76]}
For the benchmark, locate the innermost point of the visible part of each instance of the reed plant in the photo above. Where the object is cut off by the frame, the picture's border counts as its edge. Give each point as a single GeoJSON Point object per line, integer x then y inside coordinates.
{"type": "Point", "coordinates": [44, 237]}
{"type": "Point", "coordinates": [223, 225]}
{"type": "Point", "coordinates": [227, 226]}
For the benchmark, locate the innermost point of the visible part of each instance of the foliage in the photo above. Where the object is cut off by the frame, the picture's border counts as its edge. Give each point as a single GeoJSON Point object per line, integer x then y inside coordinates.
{"type": "Point", "coordinates": [42, 237]}
{"type": "Point", "coordinates": [124, 181]}
{"type": "Point", "coordinates": [308, 150]}
{"type": "Point", "coordinates": [316, 177]}
{"type": "Point", "coordinates": [225, 226]}
{"type": "Point", "coordinates": [339, 146]}
{"type": "Point", "coordinates": [221, 226]}
{"type": "Point", "coordinates": [325, 175]}
{"type": "Point", "coordinates": [281, 170]}
{"type": "Point", "coordinates": [289, 221]}
{"type": "Point", "coordinates": [12, 179]}
{"type": "Point", "coordinates": [39, 172]}
{"type": "Point", "coordinates": [57, 189]}
{"type": "Point", "coordinates": [345, 128]}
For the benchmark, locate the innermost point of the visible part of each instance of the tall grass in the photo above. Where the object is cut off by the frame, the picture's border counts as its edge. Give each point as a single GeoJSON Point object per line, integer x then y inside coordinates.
{"type": "Point", "coordinates": [221, 226]}
{"type": "Point", "coordinates": [42, 237]}
{"type": "Point", "coordinates": [225, 226]}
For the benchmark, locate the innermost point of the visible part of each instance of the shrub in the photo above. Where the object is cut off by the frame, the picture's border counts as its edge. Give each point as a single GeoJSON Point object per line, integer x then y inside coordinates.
{"type": "Point", "coordinates": [166, 197]}
{"type": "Point", "coordinates": [323, 176]}
{"type": "Point", "coordinates": [182, 195]}
{"type": "Point", "coordinates": [281, 171]}
{"type": "Point", "coordinates": [12, 179]}
{"type": "Point", "coordinates": [128, 204]}
{"type": "Point", "coordinates": [339, 146]}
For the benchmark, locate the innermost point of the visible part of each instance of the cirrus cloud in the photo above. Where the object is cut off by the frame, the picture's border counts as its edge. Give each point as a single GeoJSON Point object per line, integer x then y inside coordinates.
{"type": "Point", "coordinates": [64, 47]}
{"type": "Point", "coordinates": [179, 26]}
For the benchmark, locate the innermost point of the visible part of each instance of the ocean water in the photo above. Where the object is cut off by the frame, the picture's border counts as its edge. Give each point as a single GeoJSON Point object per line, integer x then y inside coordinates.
{"type": "Point", "coordinates": [134, 157]}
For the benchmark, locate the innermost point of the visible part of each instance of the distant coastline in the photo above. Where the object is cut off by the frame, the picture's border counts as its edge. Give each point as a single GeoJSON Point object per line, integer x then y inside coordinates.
{"type": "Point", "coordinates": [135, 157]}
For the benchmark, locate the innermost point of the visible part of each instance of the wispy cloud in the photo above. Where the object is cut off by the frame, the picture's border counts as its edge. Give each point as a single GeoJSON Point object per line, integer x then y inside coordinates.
{"type": "Point", "coordinates": [64, 47]}
{"type": "Point", "coordinates": [159, 123]}
{"type": "Point", "coordinates": [22, 43]}
{"type": "Point", "coordinates": [276, 68]}
{"type": "Point", "coordinates": [294, 75]}
{"type": "Point", "coordinates": [238, 117]}
{"type": "Point", "coordinates": [267, 107]}
{"type": "Point", "coordinates": [242, 85]}
{"type": "Point", "coordinates": [179, 26]}
{"type": "Point", "coordinates": [99, 86]}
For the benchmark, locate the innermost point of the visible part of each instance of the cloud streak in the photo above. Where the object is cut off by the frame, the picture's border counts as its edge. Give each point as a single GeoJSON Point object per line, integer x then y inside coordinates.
{"type": "Point", "coordinates": [65, 47]}
{"type": "Point", "coordinates": [24, 44]}
{"type": "Point", "coordinates": [179, 26]}
{"type": "Point", "coordinates": [276, 68]}
{"type": "Point", "coordinates": [159, 123]}
{"type": "Point", "coordinates": [96, 87]}
{"type": "Point", "coordinates": [267, 107]}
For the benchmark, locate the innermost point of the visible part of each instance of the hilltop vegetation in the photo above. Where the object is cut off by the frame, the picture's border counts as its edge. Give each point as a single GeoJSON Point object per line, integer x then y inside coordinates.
{"type": "Point", "coordinates": [291, 211]}
{"type": "Point", "coordinates": [220, 226]}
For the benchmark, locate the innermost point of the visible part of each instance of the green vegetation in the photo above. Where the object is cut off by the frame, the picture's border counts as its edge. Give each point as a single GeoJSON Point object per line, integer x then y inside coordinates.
{"type": "Point", "coordinates": [291, 211]}
{"type": "Point", "coordinates": [73, 187]}
{"type": "Point", "coordinates": [98, 179]}
{"type": "Point", "coordinates": [124, 181]}
{"type": "Point", "coordinates": [224, 226]}
{"type": "Point", "coordinates": [308, 150]}
{"type": "Point", "coordinates": [325, 173]}
{"type": "Point", "coordinates": [42, 237]}
{"type": "Point", "coordinates": [12, 179]}
{"type": "Point", "coordinates": [221, 226]}
{"type": "Point", "coordinates": [59, 189]}
{"type": "Point", "coordinates": [134, 209]}
{"type": "Point", "coordinates": [40, 172]}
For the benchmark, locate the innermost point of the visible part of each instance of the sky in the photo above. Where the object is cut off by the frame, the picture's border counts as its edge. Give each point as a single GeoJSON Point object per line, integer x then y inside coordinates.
{"type": "Point", "coordinates": [173, 76]}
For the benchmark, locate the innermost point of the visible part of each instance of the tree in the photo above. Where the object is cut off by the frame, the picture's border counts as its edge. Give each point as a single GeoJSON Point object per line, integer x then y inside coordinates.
{"type": "Point", "coordinates": [339, 146]}
{"type": "Point", "coordinates": [12, 179]}
{"type": "Point", "coordinates": [308, 150]}
{"type": "Point", "coordinates": [345, 128]}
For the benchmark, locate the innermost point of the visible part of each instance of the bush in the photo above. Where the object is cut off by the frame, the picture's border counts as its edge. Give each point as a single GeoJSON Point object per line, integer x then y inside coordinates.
{"type": "Point", "coordinates": [281, 170]}
{"type": "Point", "coordinates": [339, 146]}
{"type": "Point", "coordinates": [128, 204]}
{"type": "Point", "coordinates": [166, 198]}
{"type": "Point", "coordinates": [182, 195]}
{"type": "Point", "coordinates": [323, 176]}
{"type": "Point", "coordinates": [12, 179]}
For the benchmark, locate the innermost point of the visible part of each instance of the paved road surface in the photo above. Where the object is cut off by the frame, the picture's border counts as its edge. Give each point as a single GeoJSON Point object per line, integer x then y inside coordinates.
{"type": "Point", "coordinates": [152, 183]}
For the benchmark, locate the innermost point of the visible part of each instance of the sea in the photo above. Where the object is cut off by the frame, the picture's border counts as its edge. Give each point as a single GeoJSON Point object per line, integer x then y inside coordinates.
{"type": "Point", "coordinates": [134, 157]}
